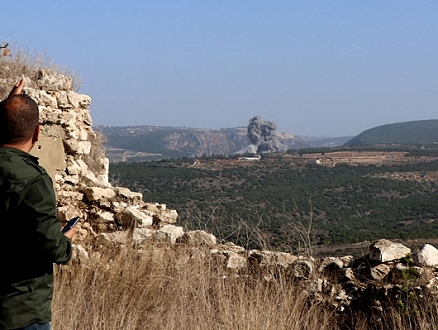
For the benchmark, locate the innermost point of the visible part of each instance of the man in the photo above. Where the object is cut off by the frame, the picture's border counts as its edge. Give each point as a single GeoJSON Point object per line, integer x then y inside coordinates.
{"type": "Point", "coordinates": [30, 232]}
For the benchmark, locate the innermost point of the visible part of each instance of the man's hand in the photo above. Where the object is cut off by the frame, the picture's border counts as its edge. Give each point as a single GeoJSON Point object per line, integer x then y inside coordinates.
{"type": "Point", "coordinates": [18, 88]}
{"type": "Point", "coordinates": [70, 233]}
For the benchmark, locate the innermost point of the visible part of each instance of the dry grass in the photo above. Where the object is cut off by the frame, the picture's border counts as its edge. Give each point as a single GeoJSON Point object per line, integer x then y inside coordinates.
{"type": "Point", "coordinates": [183, 288]}
{"type": "Point", "coordinates": [14, 63]}
{"type": "Point", "coordinates": [177, 289]}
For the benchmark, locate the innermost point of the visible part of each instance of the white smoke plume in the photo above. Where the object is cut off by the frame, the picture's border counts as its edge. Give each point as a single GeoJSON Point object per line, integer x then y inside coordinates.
{"type": "Point", "coordinates": [262, 135]}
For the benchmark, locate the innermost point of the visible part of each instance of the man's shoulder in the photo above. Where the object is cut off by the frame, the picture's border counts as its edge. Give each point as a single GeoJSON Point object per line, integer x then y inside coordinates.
{"type": "Point", "coordinates": [19, 164]}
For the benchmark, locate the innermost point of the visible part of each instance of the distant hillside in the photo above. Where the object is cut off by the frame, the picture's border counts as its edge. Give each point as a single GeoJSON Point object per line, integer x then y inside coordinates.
{"type": "Point", "coordinates": [326, 142]}
{"type": "Point", "coordinates": [140, 143]}
{"type": "Point", "coordinates": [412, 132]}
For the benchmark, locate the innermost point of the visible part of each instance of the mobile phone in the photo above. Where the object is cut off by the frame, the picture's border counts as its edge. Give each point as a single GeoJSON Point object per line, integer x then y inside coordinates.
{"type": "Point", "coordinates": [70, 224]}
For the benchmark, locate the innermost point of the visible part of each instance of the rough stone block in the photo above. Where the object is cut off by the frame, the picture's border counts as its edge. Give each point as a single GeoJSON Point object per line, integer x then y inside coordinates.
{"type": "Point", "coordinates": [426, 256]}
{"type": "Point", "coordinates": [384, 251]}
{"type": "Point", "coordinates": [174, 232]}
{"type": "Point", "coordinates": [198, 238]}
{"type": "Point", "coordinates": [132, 217]}
{"type": "Point", "coordinates": [96, 193]}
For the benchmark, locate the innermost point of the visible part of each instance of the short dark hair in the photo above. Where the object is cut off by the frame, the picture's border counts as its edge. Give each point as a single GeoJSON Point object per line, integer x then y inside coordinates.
{"type": "Point", "coordinates": [19, 117]}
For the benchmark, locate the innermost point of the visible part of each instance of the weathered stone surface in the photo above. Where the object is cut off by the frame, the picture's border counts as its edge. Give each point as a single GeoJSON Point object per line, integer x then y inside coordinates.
{"type": "Point", "coordinates": [79, 254]}
{"type": "Point", "coordinates": [110, 239]}
{"type": "Point", "coordinates": [105, 217]}
{"type": "Point", "coordinates": [380, 272]}
{"type": "Point", "coordinates": [384, 251]}
{"type": "Point", "coordinates": [97, 193]}
{"type": "Point", "coordinates": [347, 260]}
{"type": "Point", "coordinates": [67, 212]}
{"type": "Point", "coordinates": [426, 256]}
{"type": "Point", "coordinates": [198, 237]}
{"type": "Point", "coordinates": [166, 216]}
{"type": "Point", "coordinates": [54, 81]}
{"type": "Point", "coordinates": [283, 259]}
{"type": "Point", "coordinates": [261, 259]}
{"type": "Point", "coordinates": [235, 261]}
{"type": "Point", "coordinates": [42, 98]}
{"type": "Point", "coordinates": [154, 207]}
{"type": "Point", "coordinates": [302, 268]}
{"type": "Point", "coordinates": [230, 246]}
{"type": "Point", "coordinates": [347, 274]}
{"type": "Point", "coordinates": [330, 264]}
{"type": "Point", "coordinates": [74, 168]}
{"type": "Point", "coordinates": [127, 194]}
{"type": "Point", "coordinates": [71, 194]}
{"type": "Point", "coordinates": [141, 235]}
{"type": "Point", "coordinates": [91, 180]}
{"type": "Point", "coordinates": [173, 232]}
{"type": "Point", "coordinates": [51, 154]}
{"type": "Point", "coordinates": [133, 217]}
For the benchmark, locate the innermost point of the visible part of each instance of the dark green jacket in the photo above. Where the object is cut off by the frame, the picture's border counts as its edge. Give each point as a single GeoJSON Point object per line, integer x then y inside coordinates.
{"type": "Point", "coordinates": [30, 240]}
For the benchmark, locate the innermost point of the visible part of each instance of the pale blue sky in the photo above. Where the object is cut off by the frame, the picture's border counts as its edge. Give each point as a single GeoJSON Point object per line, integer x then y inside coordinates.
{"type": "Point", "coordinates": [322, 68]}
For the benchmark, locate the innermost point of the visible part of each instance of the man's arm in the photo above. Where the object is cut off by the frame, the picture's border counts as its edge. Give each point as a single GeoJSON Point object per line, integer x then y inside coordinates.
{"type": "Point", "coordinates": [39, 200]}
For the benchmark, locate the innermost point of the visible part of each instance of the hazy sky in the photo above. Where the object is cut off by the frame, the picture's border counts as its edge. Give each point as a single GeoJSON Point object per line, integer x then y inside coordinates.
{"type": "Point", "coordinates": [324, 68]}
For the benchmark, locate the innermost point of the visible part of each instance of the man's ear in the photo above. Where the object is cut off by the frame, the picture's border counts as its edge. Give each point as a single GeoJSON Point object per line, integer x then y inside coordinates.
{"type": "Point", "coordinates": [36, 134]}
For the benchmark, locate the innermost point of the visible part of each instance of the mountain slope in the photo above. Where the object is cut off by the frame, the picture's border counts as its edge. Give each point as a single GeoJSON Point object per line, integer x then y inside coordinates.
{"type": "Point", "coordinates": [139, 143]}
{"type": "Point", "coordinates": [412, 132]}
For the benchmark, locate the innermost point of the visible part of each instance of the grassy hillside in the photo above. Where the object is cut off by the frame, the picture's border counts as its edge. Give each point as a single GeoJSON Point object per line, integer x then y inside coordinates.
{"type": "Point", "coordinates": [277, 199]}
{"type": "Point", "coordinates": [413, 132]}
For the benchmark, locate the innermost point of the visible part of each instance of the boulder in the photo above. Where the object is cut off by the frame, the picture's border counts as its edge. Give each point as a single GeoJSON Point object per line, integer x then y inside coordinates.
{"type": "Point", "coordinates": [235, 261]}
{"type": "Point", "coordinates": [197, 238]}
{"type": "Point", "coordinates": [141, 235]}
{"type": "Point", "coordinates": [96, 193]}
{"type": "Point", "coordinates": [133, 217]}
{"type": "Point", "coordinates": [112, 239]}
{"type": "Point", "coordinates": [426, 256]}
{"type": "Point", "coordinates": [330, 264]}
{"type": "Point", "coordinates": [127, 194]}
{"type": "Point", "coordinates": [172, 232]}
{"type": "Point", "coordinates": [380, 271]}
{"type": "Point", "coordinates": [284, 259]}
{"type": "Point", "coordinates": [302, 268]}
{"type": "Point", "coordinates": [384, 251]}
{"type": "Point", "coordinates": [166, 216]}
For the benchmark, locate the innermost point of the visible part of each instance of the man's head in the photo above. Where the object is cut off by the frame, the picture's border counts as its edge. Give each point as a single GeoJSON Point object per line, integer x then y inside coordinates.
{"type": "Point", "coordinates": [19, 118]}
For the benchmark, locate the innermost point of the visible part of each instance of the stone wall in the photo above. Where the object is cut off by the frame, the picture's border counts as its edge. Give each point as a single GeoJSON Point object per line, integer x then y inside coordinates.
{"type": "Point", "coordinates": [70, 151]}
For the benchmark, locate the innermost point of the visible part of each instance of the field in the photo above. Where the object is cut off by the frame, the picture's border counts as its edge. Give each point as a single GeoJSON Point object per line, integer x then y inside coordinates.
{"type": "Point", "coordinates": [282, 200]}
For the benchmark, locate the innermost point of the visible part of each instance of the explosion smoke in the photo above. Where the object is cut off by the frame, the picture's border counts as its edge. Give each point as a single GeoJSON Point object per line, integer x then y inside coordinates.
{"type": "Point", "coordinates": [263, 136]}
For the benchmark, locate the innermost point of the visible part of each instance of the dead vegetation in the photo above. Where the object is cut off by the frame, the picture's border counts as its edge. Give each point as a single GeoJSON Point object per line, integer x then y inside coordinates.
{"type": "Point", "coordinates": [187, 288]}
{"type": "Point", "coordinates": [15, 63]}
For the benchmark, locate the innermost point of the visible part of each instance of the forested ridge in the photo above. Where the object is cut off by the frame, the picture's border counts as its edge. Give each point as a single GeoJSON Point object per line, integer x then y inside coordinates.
{"type": "Point", "coordinates": [271, 200]}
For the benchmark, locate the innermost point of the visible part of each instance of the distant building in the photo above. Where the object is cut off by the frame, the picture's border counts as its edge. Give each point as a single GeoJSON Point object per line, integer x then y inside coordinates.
{"type": "Point", "coordinates": [325, 161]}
{"type": "Point", "coordinates": [250, 158]}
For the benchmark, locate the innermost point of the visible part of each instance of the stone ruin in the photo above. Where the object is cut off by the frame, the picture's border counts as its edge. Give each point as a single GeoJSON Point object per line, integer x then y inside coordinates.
{"type": "Point", "coordinates": [117, 217]}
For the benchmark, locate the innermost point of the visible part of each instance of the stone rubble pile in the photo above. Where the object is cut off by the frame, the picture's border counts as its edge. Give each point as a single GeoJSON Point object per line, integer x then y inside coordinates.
{"type": "Point", "coordinates": [118, 217]}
